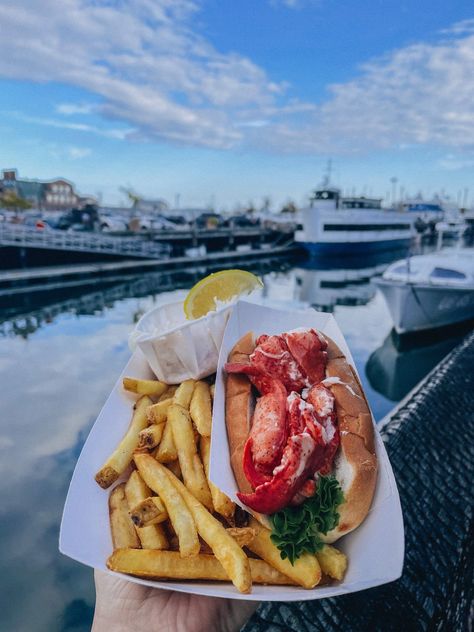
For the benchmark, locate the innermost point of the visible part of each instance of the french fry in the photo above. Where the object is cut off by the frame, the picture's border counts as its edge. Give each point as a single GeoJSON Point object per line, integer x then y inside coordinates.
{"type": "Point", "coordinates": [144, 387]}
{"type": "Point", "coordinates": [200, 408]}
{"type": "Point", "coordinates": [153, 536]}
{"type": "Point", "coordinates": [150, 437]}
{"type": "Point", "coordinates": [332, 561]}
{"type": "Point", "coordinates": [168, 564]}
{"type": "Point", "coordinates": [222, 504]}
{"type": "Point", "coordinates": [189, 461]}
{"type": "Point", "coordinates": [175, 468]}
{"type": "Point", "coordinates": [212, 390]}
{"type": "Point", "coordinates": [148, 511]}
{"type": "Point", "coordinates": [120, 459]}
{"type": "Point", "coordinates": [157, 413]}
{"type": "Point", "coordinates": [124, 535]}
{"type": "Point", "coordinates": [169, 393]}
{"type": "Point", "coordinates": [184, 393]}
{"type": "Point", "coordinates": [156, 477]}
{"type": "Point", "coordinates": [306, 570]}
{"type": "Point", "coordinates": [225, 548]}
{"type": "Point", "coordinates": [242, 535]}
{"type": "Point", "coordinates": [166, 450]}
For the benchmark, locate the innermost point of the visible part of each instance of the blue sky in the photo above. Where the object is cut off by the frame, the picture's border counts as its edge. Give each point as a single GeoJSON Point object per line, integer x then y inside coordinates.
{"type": "Point", "coordinates": [233, 101]}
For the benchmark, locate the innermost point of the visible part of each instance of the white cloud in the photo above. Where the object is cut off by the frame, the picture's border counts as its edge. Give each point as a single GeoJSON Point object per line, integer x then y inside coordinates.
{"type": "Point", "coordinates": [147, 67]}
{"type": "Point", "coordinates": [77, 153]}
{"type": "Point", "coordinates": [69, 109]}
{"type": "Point", "coordinates": [422, 94]}
{"type": "Point", "coordinates": [294, 4]}
{"type": "Point", "coordinates": [456, 162]}
{"type": "Point", "coordinates": [119, 134]}
{"type": "Point", "coordinates": [143, 60]}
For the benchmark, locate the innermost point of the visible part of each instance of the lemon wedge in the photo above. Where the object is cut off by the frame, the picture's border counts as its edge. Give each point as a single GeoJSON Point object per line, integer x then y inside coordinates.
{"type": "Point", "coordinates": [217, 288]}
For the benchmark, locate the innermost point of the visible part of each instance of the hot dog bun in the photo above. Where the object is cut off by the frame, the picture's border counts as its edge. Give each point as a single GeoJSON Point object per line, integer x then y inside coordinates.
{"type": "Point", "coordinates": [238, 409]}
{"type": "Point", "coordinates": [355, 464]}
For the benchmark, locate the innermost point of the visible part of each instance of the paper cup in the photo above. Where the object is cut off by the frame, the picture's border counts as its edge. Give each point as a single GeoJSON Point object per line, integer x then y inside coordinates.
{"type": "Point", "coordinates": [178, 349]}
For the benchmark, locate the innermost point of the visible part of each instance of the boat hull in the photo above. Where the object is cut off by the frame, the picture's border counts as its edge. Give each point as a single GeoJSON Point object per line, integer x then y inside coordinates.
{"type": "Point", "coordinates": [354, 249]}
{"type": "Point", "coordinates": [420, 307]}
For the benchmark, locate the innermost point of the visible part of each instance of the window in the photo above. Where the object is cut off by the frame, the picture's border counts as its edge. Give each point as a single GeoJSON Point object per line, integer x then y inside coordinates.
{"type": "Point", "coordinates": [445, 273]}
{"type": "Point", "coordinates": [366, 227]}
{"type": "Point", "coordinates": [402, 269]}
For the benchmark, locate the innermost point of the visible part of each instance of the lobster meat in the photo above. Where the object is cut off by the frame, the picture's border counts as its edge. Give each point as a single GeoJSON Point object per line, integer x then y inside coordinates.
{"type": "Point", "coordinates": [292, 437]}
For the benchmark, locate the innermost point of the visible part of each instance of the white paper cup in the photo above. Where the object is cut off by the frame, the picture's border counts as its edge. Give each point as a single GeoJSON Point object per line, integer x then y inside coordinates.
{"type": "Point", "coordinates": [178, 349]}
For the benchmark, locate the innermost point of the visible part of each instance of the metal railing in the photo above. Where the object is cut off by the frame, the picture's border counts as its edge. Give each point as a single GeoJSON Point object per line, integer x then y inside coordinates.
{"type": "Point", "coordinates": [11, 235]}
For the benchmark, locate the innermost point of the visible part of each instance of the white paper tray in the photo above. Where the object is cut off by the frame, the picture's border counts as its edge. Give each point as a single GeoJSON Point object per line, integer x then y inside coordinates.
{"type": "Point", "coordinates": [375, 550]}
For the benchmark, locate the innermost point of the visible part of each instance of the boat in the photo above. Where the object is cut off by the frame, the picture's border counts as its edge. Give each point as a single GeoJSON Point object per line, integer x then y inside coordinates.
{"type": "Point", "coordinates": [430, 210]}
{"type": "Point", "coordinates": [395, 368]}
{"type": "Point", "coordinates": [334, 225]}
{"type": "Point", "coordinates": [451, 229]}
{"type": "Point", "coordinates": [430, 291]}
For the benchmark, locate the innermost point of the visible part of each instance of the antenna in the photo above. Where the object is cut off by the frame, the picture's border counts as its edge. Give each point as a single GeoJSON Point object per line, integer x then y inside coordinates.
{"type": "Point", "coordinates": [327, 176]}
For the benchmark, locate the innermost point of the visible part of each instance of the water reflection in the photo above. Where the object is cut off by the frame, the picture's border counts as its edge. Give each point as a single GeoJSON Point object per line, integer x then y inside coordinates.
{"type": "Point", "coordinates": [23, 313]}
{"type": "Point", "coordinates": [324, 289]}
{"type": "Point", "coordinates": [399, 364]}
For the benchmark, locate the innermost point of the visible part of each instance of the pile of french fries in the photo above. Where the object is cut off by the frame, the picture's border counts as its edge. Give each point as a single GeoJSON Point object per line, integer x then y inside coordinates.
{"type": "Point", "coordinates": [169, 521]}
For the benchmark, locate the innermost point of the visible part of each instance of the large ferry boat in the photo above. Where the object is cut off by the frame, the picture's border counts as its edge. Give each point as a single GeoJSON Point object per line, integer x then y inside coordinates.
{"type": "Point", "coordinates": [345, 226]}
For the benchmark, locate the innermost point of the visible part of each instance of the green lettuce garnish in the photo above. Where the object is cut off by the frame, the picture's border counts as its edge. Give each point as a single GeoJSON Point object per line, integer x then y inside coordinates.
{"type": "Point", "coordinates": [297, 529]}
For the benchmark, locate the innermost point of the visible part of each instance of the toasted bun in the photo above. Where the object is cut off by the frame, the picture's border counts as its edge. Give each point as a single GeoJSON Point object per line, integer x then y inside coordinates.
{"type": "Point", "coordinates": [239, 409]}
{"type": "Point", "coordinates": [355, 464]}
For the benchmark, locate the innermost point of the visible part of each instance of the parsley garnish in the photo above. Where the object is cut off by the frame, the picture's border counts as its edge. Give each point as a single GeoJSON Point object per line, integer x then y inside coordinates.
{"type": "Point", "coordinates": [297, 529]}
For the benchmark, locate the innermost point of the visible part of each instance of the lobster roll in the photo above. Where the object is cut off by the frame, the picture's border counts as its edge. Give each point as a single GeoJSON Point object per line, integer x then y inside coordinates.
{"type": "Point", "coordinates": [295, 412]}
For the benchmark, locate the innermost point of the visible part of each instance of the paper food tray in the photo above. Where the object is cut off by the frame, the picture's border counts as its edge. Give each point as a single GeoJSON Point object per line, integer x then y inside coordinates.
{"type": "Point", "coordinates": [375, 550]}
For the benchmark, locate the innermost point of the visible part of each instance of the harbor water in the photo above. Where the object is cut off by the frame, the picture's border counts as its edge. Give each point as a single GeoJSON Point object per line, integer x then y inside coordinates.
{"type": "Point", "coordinates": [61, 352]}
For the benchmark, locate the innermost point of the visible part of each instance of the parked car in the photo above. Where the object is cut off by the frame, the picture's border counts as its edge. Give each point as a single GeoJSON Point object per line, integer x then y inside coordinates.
{"type": "Point", "coordinates": [244, 221]}
{"type": "Point", "coordinates": [209, 220]}
{"type": "Point", "coordinates": [38, 223]}
{"type": "Point", "coordinates": [155, 222]}
{"type": "Point", "coordinates": [179, 220]}
{"type": "Point", "coordinates": [87, 217]}
{"type": "Point", "coordinates": [112, 224]}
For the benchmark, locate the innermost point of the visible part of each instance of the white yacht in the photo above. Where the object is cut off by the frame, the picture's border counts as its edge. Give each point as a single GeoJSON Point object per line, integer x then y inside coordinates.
{"type": "Point", "coordinates": [429, 291]}
{"type": "Point", "coordinates": [351, 226]}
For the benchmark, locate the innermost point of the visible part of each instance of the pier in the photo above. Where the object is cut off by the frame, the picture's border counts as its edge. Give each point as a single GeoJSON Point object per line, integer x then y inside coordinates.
{"type": "Point", "coordinates": [101, 244]}
{"type": "Point", "coordinates": [147, 244]}
{"type": "Point", "coordinates": [51, 277]}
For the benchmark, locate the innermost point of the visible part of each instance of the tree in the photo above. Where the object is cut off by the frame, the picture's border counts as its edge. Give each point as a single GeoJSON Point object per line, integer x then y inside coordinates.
{"type": "Point", "coordinates": [13, 202]}
{"type": "Point", "coordinates": [134, 198]}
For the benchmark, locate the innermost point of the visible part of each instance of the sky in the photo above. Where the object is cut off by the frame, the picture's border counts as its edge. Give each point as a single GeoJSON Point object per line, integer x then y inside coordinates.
{"type": "Point", "coordinates": [226, 103]}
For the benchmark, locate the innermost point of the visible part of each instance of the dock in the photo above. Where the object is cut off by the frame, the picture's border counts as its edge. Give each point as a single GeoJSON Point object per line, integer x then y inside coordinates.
{"type": "Point", "coordinates": [49, 277]}
{"type": "Point", "coordinates": [147, 244]}
{"type": "Point", "coordinates": [430, 442]}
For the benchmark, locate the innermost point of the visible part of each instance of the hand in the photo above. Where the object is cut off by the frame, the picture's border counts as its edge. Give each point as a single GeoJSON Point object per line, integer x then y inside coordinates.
{"type": "Point", "coordinates": [122, 606]}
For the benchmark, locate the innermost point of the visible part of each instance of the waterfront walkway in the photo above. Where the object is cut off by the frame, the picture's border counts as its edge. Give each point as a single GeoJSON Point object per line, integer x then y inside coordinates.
{"type": "Point", "coordinates": [96, 243]}
{"type": "Point", "coordinates": [430, 442]}
{"type": "Point", "coordinates": [150, 244]}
